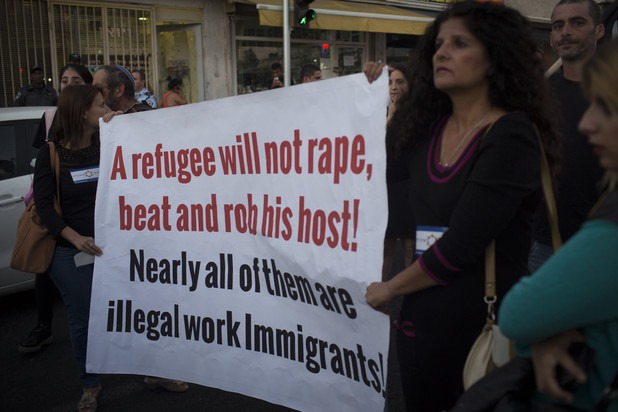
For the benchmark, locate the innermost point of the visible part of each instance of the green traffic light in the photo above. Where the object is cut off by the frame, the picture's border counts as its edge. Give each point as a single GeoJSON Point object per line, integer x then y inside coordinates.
{"type": "Point", "coordinates": [310, 15]}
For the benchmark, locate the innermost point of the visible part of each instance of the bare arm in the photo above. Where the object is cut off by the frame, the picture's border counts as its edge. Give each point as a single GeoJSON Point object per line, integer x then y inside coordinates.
{"type": "Point", "coordinates": [411, 279]}
{"type": "Point", "coordinates": [82, 243]}
{"type": "Point", "coordinates": [176, 99]}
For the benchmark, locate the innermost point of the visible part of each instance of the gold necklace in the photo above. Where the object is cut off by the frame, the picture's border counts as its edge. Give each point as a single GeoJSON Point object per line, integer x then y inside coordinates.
{"type": "Point", "coordinates": [464, 138]}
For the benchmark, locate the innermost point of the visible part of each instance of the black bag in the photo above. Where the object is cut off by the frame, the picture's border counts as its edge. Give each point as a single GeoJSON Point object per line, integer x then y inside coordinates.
{"type": "Point", "coordinates": [506, 388]}
{"type": "Point", "coordinates": [511, 387]}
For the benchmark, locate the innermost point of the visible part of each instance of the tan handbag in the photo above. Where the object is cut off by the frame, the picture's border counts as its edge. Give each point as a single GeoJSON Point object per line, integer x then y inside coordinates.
{"type": "Point", "coordinates": [34, 245]}
{"type": "Point", "coordinates": [492, 349]}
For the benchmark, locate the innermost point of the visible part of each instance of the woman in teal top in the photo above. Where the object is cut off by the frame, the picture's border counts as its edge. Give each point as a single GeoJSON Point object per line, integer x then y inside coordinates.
{"type": "Point", "coordinates": [574, 296]}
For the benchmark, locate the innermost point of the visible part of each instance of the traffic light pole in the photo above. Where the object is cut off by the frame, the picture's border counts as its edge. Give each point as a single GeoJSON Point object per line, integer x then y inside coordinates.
{"type": "Point", "coordinates": [286, 43]}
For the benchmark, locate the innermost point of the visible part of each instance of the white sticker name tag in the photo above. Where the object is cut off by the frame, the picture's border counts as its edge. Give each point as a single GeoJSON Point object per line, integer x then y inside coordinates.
{"type": "Point", "coordinates": [85, 175]}
{"type": "Point", "coordinates": [426, 236]}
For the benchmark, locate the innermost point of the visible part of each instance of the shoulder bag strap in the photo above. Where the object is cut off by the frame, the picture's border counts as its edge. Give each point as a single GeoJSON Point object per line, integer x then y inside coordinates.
{"type": "Point", "coordinates": [55, 166]}
{"type": "Point", "coordinates": [552, 212]}
{"type": "Point", "coordinates": [490, 272]}
{"type": "Point", "coordinates": [49, 119]}
{"type": "Point", "coordinates": [550, 200]}
{"type": "Point", "coordinates": [490, 281]}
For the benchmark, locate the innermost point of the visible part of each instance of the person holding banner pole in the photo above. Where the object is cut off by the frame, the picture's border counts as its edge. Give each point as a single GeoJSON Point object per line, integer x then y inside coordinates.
{"type": "Point", "coordinates": [468, 127]}
{"type": "Point", "coordinates": [119, 92]}
{"type": "Point", "coordinates": [77, 144]}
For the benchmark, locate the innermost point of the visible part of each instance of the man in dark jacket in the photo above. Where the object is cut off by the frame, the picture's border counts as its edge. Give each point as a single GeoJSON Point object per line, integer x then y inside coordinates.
{"type": "Point", "coordinates": [37, 93]}
{"type": "Point", "coordinates": [576, 29]}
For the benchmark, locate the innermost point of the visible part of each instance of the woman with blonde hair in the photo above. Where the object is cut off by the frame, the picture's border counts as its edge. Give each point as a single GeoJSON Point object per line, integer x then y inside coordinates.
{"type": "Point", "coordinates": [572, 297]}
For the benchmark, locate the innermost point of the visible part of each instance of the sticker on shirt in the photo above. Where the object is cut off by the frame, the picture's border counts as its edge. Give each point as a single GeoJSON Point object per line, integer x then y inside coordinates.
{"type": "Point", "coordinates": [85, 175]}
{"type": "Point", "coordinates": [426, 236]}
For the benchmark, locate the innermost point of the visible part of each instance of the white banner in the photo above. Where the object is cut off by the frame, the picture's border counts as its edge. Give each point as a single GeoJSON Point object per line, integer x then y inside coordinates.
{"type": "Point", "coordinates": [239, 236]}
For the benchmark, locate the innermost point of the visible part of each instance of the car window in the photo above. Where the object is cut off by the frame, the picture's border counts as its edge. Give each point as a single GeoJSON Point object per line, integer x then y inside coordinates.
{"type": "Point", "coordinates": [16, 151]}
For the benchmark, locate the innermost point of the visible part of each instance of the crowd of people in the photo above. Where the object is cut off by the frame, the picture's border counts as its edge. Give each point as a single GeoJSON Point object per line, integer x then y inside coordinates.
{"type": "Point", "coordinates": [73, 130]}
{"type": "Point", "coordinates": [467, 127]}
{"type": "Point", "coordinates": [477, 119]}
{"type": "Point", "coordinates": [38, 93]}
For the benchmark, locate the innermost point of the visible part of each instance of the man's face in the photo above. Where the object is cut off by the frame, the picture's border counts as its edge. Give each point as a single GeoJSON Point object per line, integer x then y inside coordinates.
{"type": "Point", "coordinates": [277, 73]}
{"type": "Point", "coordinates": [573, 33]}
{"type": "Point", "coordinates": [100, 79]}
{"type": "Point", "coordinates": [317, 75]}
{"type": "Point", "coordinates": [36, 77]}
{"type": "Point", "coordinates": [139, 83]}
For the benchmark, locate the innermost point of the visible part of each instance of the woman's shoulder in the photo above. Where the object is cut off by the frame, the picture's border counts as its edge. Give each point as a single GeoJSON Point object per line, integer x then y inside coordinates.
{"type": "Point", "coordinates": [45, 149]}
{"type": "Point", "coordinates": [43, 157]}
{"type": "Point", "coordinates": [49, 148]}
{"type": "Point", "coordinates": [600, 226]}
{"type": "Point", "coordinates": [515, 120]}
{"type": "Point", "coordinates": [596, 239]}
{"type": "Point", "coordinates": [513, 125]}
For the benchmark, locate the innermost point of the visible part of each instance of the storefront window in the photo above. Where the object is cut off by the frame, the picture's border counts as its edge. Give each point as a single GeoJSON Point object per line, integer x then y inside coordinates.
{"type": "Point", "coordinates": [400, 47]}
{"type": "Point", "coordinates": [181, 58]}
{"type": "Point", "coordinates": [309, 34]}
{"type": "Point", "coordinates": [308, 54]}
{"type": "Point", "coordinates": [254, 59]}
{"type": "Point", "coordinates": [258, 47]}
{"type": "Point", "coordinates": [250, 27]}
{"type": "Point", "coordinates": [350, 60]}
{"type": "Point", "coordinates": [352, 36]}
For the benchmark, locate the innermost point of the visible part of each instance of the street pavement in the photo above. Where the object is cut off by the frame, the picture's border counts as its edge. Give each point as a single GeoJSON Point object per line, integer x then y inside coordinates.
{"type": "Point", "coordinates": [47, 381]}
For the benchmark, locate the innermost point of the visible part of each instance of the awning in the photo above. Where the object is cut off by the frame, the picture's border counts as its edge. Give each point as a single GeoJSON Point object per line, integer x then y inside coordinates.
{"type": "Point", "coordinates": [349, 16]}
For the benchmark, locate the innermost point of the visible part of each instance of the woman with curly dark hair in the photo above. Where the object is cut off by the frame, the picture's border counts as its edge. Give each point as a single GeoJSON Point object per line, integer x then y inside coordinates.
{"type": "Point", "coordinates": [468, 126]}
{"type": "Point", "coordinates": [400, 225]}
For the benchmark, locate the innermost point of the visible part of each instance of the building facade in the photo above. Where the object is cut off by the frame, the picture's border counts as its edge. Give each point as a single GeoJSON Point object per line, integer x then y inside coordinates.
{"type": "Point", "coordinates": [218, 48]}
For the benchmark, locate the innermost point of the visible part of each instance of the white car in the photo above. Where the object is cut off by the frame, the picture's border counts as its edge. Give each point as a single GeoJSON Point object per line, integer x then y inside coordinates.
{"type": "Point", "coordinates": [18, 126]}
